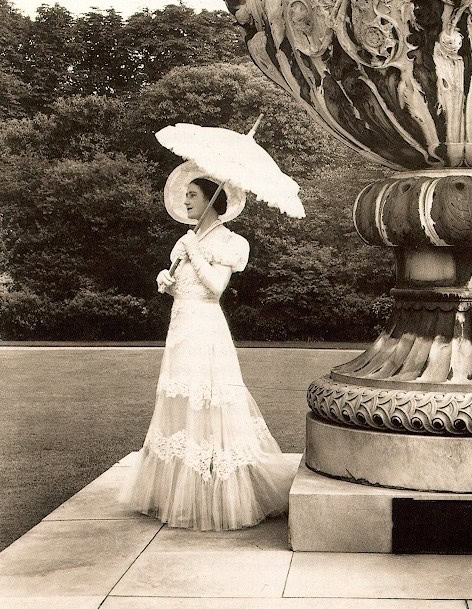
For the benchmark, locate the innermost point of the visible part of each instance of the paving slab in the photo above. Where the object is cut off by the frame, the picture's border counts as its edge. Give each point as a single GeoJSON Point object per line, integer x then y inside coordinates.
{"type": "Point", "coordinates": [75, 558]}
{"type": "Point", "coordinates": [272, 534]}
{"type": "Point", "coordinates": [215, 574]}
{"type": "Point", "coordinates": [275, 603]}
{"type": "Point", "coordinates": [379, 576]}
{"type": "Point", "coordinates": [53, 602]}
{"type": "Point", "coordinates": [98, 500]}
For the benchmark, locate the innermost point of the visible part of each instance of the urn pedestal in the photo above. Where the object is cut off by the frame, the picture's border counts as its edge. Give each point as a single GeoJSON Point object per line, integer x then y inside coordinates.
{"type": "Point", "coordinates": [399, 416]}
{"type": "Point", "coordinates": [391, 79]}
{"type": "Point", "coordinates": [397, 420]}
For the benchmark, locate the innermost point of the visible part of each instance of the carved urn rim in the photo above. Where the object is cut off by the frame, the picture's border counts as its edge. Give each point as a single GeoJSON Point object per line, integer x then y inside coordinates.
{"type": "Point", "coordinates": [390, 78]}
{"type": "Point", "coordinates": [382, 409]}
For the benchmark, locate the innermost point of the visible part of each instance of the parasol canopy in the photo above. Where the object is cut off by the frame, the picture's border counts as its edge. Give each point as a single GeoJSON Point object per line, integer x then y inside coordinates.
{"type": "Point", "coordinates": [233, 157]}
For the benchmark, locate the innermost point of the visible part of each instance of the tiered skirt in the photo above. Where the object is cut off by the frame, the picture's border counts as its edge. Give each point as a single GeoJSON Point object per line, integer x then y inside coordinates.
{"type": "Point", "coordinates": [208, 461]}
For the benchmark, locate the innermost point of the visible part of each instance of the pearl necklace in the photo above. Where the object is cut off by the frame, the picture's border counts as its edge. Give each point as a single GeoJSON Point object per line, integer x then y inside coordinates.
{"type": "Point", "coordinates": [209, 229]}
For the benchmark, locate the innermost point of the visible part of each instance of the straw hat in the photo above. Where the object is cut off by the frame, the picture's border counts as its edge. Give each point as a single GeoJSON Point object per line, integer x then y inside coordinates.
{"type": "Point", "coordinates": [175, 192]}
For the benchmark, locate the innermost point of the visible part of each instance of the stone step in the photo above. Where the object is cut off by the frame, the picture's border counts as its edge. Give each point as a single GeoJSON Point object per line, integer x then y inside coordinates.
{"type": "Point", "coordinates": [331, 515]}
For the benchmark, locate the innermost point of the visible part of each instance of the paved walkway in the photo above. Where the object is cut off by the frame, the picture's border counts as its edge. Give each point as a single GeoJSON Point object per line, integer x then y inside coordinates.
{"type": "Point", "coordinates": [92, 553]}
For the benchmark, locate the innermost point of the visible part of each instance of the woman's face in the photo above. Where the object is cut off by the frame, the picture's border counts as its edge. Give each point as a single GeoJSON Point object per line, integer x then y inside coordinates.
{"type": "Point", "coordinates": [195, 202]}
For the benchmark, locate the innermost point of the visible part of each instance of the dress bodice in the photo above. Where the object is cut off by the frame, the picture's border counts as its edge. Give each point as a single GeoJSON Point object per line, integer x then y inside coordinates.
{"type": "Point", "coordinates": [220, 246]}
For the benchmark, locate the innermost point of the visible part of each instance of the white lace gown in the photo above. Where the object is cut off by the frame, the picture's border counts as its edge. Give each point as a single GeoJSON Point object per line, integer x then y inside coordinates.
{"type": "Point", "coordinates": [208, 461]}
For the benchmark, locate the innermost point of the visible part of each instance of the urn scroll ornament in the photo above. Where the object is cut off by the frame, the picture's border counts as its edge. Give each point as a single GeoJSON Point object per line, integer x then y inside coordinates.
{"type": "Point", "coordinates": [392, 79]}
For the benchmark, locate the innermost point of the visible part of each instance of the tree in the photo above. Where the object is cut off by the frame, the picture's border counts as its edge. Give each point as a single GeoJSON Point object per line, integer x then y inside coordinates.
{"type": "Point", "coordinates": [14, 96]}
{"type": "Point", "coordinates": [99, 53]}
{"type": "Point", "coordinates": [77, 128]}
{"type": "Point", "coordinates": [84, 224]}
{"type": "Point", "coordinates": [14, 29]}
{"type": "Point", "coordinates": [14, 92]}
{"type": "Point", "coordinates": [231, 96]}
{"type": "Point", "coordinates": [49, 56]}
{"type": "Point", "coordinates": [177, 36]}
{"type": "Point", "coordinates": [74, 225]}
{"type": "Point", "coordinates": [103, 63]}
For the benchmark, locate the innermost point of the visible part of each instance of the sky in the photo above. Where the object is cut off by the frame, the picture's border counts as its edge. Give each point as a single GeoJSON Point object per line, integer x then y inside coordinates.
{"type": "Point", "coordinates": [125, 7]}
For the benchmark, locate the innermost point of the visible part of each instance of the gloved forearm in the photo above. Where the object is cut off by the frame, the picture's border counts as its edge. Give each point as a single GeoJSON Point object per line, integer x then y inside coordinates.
{"type": "Point", "coordinates": [214, 277]}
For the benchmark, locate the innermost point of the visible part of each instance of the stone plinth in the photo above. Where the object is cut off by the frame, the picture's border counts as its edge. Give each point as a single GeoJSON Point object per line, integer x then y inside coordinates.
{"type": "Point", "coordinates": [396, 460]}
{"type": "Point", "coordinates": [329, 515]}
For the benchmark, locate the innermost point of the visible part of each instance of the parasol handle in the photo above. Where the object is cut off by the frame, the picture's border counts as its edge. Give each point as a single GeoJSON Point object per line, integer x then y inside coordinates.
{"type": "Point", "coordinates": [255, 126]}
{"type": "Point", "coordinates": [221, 185]}
{"type": "Point", "coordinates": [174, 266]}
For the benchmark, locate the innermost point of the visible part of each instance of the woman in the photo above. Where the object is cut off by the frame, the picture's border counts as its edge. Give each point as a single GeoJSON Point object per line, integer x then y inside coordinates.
{"type": "Point", "coordinates": [208, 461]}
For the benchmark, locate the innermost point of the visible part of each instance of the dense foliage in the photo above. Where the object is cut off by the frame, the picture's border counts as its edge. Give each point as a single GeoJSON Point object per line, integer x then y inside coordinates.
{"type": "Point", "coordinates": [83, 226]}
{"type": "Point", "coordinates": [101, 54]}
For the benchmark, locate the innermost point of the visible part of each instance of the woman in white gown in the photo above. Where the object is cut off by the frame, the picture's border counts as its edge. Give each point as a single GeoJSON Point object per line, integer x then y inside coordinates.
{"type": "Point", "coordinates": [208, 461]}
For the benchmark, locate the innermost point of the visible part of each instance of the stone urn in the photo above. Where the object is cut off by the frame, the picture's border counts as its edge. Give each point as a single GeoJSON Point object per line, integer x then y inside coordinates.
{"type": "Point", "coordinates": [392, 79]}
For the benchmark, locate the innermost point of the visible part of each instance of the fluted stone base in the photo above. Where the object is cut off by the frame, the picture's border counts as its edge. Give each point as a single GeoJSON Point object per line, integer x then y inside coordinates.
{"type": "Point", "coordinates": [395, 460]}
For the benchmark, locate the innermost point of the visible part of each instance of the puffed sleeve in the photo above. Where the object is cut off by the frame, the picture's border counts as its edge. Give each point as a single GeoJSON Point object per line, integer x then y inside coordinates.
{"type": "Point", "coordinates": [234, 253]}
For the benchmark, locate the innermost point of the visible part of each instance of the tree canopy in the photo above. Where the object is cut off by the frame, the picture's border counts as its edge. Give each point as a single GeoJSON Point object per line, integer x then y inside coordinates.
{"type": "Point", "coordinates": [83, 227]}
{"type": "Point", "coordinates": [99, 53]}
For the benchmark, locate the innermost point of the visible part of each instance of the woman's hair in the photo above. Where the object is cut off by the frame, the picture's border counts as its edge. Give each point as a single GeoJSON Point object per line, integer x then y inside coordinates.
{"type": "Point", "coordinates": [209, 188]}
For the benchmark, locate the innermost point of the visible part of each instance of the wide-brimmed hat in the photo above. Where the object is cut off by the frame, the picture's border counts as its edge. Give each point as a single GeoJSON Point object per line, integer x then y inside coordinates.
{"type": "Point", "coordinates": [175, 192]}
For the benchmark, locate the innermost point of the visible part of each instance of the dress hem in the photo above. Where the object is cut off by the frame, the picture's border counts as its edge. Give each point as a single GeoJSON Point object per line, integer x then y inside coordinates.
{"type": "Point", "coordinates": [274, 514]}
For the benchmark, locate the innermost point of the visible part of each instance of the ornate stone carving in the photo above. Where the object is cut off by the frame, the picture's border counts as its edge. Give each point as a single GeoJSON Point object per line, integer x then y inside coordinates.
{"type": "Point", "coordinates": [257, 49]}
{"type": "Point", "coordinates": [309, 29]}
{"type": "Point", "coordinates": [372, 33]}
{"type": "Point", "coordinates": [388, 77]}
{"type": "Point", "coordinates": [393, 410]}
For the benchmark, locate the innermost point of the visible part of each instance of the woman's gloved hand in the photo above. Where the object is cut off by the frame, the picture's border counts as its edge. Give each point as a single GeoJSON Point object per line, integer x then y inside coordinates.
{"type": "Point", "coordinates": [189, 241]}
{"type": "Point", "coordinates": [164, 280]}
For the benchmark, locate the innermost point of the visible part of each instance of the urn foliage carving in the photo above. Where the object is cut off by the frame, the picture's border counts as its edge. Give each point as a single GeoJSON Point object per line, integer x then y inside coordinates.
{"type": "Point", "coordinates": [391, 78]}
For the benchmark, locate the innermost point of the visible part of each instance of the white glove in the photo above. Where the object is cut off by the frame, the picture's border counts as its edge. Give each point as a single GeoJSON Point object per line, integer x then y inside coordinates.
{"type": "Point", "coordinates": [180, 252]}
{"type": "Point", "coordinates": [164, 280]}
{"type": "Point", "coordinates": [189, 240]}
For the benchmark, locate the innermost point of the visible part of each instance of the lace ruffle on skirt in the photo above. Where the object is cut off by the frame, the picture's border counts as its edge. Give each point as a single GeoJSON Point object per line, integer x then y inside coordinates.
{"type": "Point", "coordinates": [208, 459]}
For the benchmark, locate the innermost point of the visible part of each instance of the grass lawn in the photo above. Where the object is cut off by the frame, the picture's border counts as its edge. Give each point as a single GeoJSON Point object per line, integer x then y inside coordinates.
{"type": "Point", "coordinates": [69, 414]}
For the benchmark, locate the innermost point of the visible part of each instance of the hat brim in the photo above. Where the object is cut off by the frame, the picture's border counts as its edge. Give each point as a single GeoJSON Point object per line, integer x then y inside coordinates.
{"type": "Point", "coordinates": [175, 192]}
